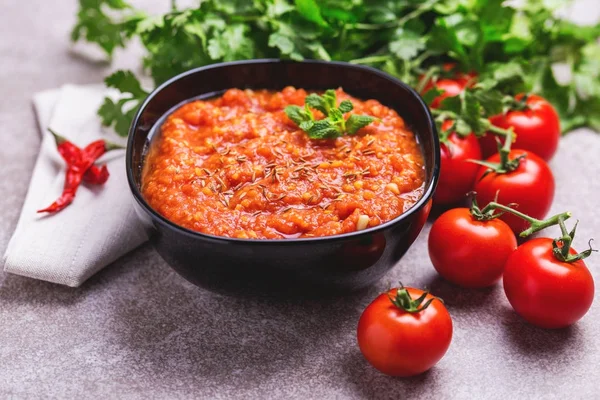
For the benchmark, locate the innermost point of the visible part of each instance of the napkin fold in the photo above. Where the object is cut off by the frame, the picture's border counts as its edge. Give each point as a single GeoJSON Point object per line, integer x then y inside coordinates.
{"type": "Point", "coordinates": [100, 225]}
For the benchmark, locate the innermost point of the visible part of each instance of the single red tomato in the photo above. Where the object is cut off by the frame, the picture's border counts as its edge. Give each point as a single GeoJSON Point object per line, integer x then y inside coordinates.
{"type": "Point", "coordinates": [451, 86]}
{"type": "Point", "coordinates": [456, 173]}
{"type": "Point", "coordinates": [545, 291]}
{"type": "Point", "coordinates": [469, 252]}
{"type": "Point", "coordinates": [537, 128]}
{"type": "Point", "coordinates": [530, 186]}
{"type": "Point", "coordinates": [403, 338]}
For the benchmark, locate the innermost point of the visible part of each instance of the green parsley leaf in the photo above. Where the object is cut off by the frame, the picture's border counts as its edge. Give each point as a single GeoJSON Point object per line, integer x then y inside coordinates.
{"type": "Point", "coordinates": [330, 100]}
{"type": "Point", "coordinates": [431, 94]}
{"type": "Point", "coordinates": [126, 82]}
{"type": "Point", "coordinates": [112, 113]}
{"type": "Point", "coordinates": [346, 106]}
{"type": "Point", "coordinates": [120, 113]}
{"type": "Point", "coordinates": [97, 26]}
{"type": "Point", "coordinates": [512, 47]}
{"type": "Point", "coordinates": [472, 113]}
{"type": "Point", "coordinates": [231, 44]}
{"type": "Point", "coordinates": [323, 129]}
{"type": "Point", "coordinates": [317, 102]}
{"type": "Point", "coordinates": [311, 11]}
{"type": "Point", "coordinates": [284, 43]}
{"type": "Point", "coordinates": [334, 124]}
{"type": "Point", "coordinates": [298, 114]}
{"type": "Point", "coordinates": [356, 122]}
{"type": "Point", "coordinates": [406, 45]}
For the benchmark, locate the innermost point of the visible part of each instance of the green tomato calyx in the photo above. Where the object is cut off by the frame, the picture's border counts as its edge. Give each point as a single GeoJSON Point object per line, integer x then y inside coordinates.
{"type": "Point", "coordinates": [404, 301]}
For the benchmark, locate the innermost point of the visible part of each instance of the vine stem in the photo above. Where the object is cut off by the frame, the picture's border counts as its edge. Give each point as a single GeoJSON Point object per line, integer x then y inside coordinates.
{"type": "Point", "coordinates": [498, 131]}
{"type": "Point", "coordinates": [426, 78]}
{"type": "Point", "coordinates": [371, 59]}
{"type": "Point", "coordinates": [566, 239]}
{"type": "Point", "coordinates": [486, 123]}
{"type": "Point", "coordinates": [561, 247]}
{"type": "Point", "coordinates": [399, 22]}
{"type": "Point", "coordinates": [536, 224]}
{"type": "Point", "coordinates": [425, 55]}
{"type": "Point", "coordinates": [446, 113]}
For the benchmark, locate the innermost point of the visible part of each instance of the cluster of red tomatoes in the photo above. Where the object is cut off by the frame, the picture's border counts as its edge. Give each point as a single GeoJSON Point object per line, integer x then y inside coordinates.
{"type": "Point", "coordinates": [406, 331]}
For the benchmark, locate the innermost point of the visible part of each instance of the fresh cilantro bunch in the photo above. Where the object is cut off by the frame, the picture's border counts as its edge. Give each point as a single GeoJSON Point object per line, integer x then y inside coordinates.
{"type": "Point", "coordinates": [334, 124]}
{"type": "Point", "coordinates": [470, 111]}
{"type": "Point", "coordinates": [409, 39]}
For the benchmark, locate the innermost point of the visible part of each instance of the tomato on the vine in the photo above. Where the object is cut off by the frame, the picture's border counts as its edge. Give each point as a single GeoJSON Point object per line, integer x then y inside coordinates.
{"type": "Point", "coordinates": [451, 86]}
{"type": "Point", "coordinates": [530, 186]}
{"type": "Point", "coordinates": [470, 252]}
{"type": "Point", "coordinates": [404, 332]}
{"type": "Point", "coordinates": [544, 290]}
{"type": "Point", "coordinates": [537, 128]}
{"type": "Point", "coordinates": [456, 172]}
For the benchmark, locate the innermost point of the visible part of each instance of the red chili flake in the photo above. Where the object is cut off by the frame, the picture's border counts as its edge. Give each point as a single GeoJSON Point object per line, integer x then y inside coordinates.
{"type": "Point", "coordinates": [80, 166]}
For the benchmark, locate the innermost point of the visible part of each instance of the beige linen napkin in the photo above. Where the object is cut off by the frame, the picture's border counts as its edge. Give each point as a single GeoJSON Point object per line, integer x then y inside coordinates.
{"type": "Point", "coordinates": [99, 226]}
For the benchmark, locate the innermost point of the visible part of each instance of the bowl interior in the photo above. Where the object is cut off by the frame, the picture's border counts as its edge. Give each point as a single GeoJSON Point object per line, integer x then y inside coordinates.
{"type": "Point", "coordinates": [360, 81]}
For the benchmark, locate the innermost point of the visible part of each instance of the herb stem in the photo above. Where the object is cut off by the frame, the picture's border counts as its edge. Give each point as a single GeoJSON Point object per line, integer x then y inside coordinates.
{"type": "Point", "coordinates": [246, 18]}
{"type": "Point", "coordinates": [374, 27]}
{"type": "Point", "coordinates": [416, 12]}
{"type": "Point", "coordinates": [426, 78]}
{"type": "Point", "coordinates": [370, 60]}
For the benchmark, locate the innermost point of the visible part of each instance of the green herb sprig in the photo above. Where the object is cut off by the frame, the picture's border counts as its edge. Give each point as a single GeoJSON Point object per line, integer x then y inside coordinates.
{"type": "Point", "coordinates": [408, 39]}
{"type": "Point", "coordinates": [334, 124]}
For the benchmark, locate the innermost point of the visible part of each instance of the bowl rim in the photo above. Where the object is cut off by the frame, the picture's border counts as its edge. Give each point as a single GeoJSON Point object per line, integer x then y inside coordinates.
{"type": "Point", "coordinates": [423, 200]}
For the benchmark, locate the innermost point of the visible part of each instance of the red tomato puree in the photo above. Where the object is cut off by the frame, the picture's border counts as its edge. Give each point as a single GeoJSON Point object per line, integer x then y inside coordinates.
{"type": "Point", "coordinates": [236, 166]}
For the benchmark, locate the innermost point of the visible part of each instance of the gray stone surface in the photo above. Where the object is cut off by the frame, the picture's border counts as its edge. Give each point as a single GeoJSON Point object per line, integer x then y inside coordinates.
{"type": "Point", "coordinates": [138, 330]}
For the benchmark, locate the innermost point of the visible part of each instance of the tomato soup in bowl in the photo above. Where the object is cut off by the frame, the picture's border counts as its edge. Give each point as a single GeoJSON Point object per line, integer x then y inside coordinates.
{"type": "Point", "coordinates": [233, 192]}
{"type": "Point", "coordinates": [237, 166]}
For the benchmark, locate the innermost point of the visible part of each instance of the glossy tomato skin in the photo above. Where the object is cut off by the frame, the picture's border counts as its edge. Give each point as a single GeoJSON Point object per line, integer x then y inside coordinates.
{"type": "Point", "coordinates": [531, 186]}
{"type": "Point", "coordinates": [545, 291]}
{"type": "Point", "coordinates": [537, 128]}
{"type": "Point", "coordinates": [450, 86]}
{"type": "Point", "coordinates": [399, 343]}
{"type": "Point", "coordinates": [468, 252]}
{"type": "Point", "coordinates": [456, 173]}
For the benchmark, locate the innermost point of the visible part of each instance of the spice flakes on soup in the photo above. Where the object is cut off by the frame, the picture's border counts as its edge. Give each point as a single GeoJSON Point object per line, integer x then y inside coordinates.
{"type": "Point", "coordinates": [236, 166]}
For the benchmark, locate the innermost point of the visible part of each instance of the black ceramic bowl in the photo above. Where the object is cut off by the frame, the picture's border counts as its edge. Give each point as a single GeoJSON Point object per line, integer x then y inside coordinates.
{"type": "Point", "coordinates": [348, 261]}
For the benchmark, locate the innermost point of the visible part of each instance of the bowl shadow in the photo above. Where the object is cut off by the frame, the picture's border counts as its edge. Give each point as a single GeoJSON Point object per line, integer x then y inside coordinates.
{"type": "Point", "coordinates": [211, 338]}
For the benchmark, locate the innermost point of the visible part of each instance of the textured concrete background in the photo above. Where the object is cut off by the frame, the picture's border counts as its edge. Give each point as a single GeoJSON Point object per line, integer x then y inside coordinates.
{"type": "Point", "coordinates": [138, 330]}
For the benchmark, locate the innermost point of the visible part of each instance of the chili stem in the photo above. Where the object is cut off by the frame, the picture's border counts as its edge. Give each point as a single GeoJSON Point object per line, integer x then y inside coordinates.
{"type": "Point", "coordinates": [59, 139]}
{"type": "Point", "coordinates": [108, 146]}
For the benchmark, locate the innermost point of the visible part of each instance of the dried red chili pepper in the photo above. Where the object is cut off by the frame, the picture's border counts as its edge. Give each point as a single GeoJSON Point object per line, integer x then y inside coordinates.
{"type": "Point", "coordinates": [72, 154]}
{"type": "Point", "coordinates": [96, 175]}
{"type": "Point", "coordinates": [80, 166]}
